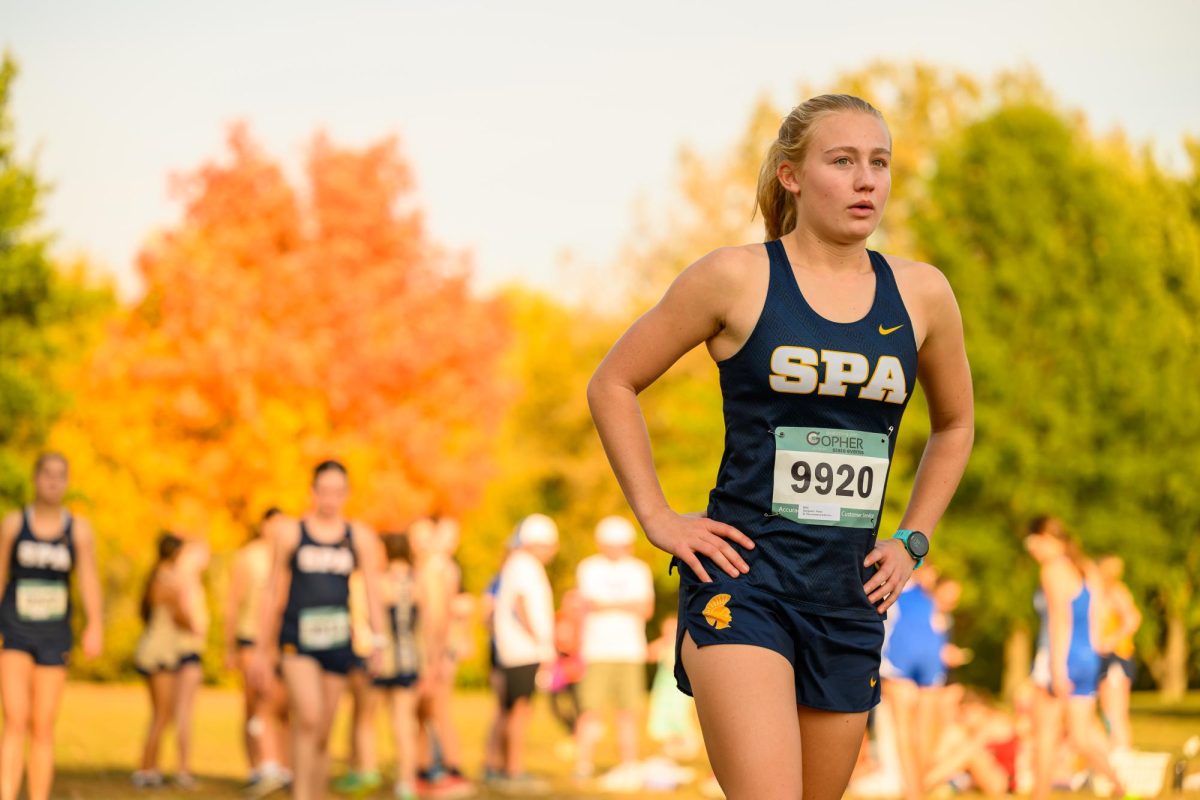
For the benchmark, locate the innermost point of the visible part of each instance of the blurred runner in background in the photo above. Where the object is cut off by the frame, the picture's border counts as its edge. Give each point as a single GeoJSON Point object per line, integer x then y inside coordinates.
{"type": "Point", "coordinates": [39, 548]}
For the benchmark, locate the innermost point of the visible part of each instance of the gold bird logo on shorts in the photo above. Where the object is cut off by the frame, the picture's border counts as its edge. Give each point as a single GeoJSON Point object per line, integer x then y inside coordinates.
{"type": "Point", "coordinates": [717, 613]}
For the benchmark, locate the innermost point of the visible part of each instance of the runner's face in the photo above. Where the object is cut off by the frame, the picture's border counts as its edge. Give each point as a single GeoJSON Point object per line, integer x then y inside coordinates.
{"type": "Point", "coordinates": [448, 533]}
{"type": "Point", "coordinates": [846, 177]}
{"type": "Point", "coordinates": [330, 491]}
{"type": "Point", "coordinates": [1042, 547]}
{"type": "Point", "coordinates": [50, 482]}
{"type": "Point", "coordinates": [269, 527]}
{"type": "Point", "coordinates": [420, 534]}
{"type": "Point", "coordinates": [544, 552]}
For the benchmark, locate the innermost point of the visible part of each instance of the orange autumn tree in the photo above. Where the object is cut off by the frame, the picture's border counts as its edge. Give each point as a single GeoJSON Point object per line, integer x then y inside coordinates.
{"type": "Point", "coordinates": [279, 327]}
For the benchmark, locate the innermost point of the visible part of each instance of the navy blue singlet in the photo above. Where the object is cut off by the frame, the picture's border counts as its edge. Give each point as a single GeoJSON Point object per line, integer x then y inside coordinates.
{"type": "Point", "coordinates": [811, 407]}
{"type": "Point", "coordinates": [317, 617]}
{"type": "Point", "coordinates": [37, 599]}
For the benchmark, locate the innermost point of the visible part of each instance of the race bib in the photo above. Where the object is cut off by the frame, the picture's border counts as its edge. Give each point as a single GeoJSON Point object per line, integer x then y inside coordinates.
{"type": "Point", "coordinates": [827, 476]}
{"type": "Point", "coordinates": [41, 601]}
{"type": "Point", "coordinates": [324, 628]}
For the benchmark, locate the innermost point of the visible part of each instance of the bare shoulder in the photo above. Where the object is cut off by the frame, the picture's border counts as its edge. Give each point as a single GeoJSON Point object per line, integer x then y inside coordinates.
{"type": "Point", "coordinates": [928, 297]}
{"type": "Point", "coordinates": [287, 538]}
{"type": "Point", "coordinates": [82, 528]}
{"type": "Point", "coordinates": [732, 260]}
{"type": "Point", "coordinates": [725, 268]}
{"type": "Point", "coordinates": [11, 523]}
{"type": "Point", "coordinates": [924, 282]}
{"type": "Point", "coordinates": [1057, 570]}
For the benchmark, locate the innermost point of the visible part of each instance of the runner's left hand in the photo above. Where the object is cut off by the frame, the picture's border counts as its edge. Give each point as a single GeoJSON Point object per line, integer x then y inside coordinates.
{"type": "Point", "coordinates": [893, 567]}
{"type": "Point", "coordinates": [93, 641]}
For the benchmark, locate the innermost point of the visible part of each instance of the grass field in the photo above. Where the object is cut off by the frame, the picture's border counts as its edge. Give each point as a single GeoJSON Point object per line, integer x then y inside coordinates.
{"type": "Point", "coordinates": [101, 727]}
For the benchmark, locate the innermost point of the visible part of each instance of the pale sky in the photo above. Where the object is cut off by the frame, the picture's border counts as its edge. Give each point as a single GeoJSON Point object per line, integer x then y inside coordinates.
{"type": "Point", "coordinates": [533, 127]}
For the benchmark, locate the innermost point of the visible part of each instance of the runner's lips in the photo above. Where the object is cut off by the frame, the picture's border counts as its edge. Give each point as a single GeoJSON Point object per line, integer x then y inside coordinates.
{"type": "Point", "coordinates": [864, 204]}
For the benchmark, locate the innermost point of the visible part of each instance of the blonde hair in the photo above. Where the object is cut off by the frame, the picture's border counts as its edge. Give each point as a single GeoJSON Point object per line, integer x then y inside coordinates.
{"type": "Point", "coordinates": [775, 202]}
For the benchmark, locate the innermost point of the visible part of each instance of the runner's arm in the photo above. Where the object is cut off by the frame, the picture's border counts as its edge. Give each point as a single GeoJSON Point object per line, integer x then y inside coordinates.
{"type": "Point", "coordinates": [238, 577]}
{"type": "Point", "coordinates": [278, 580]}
{"type": "Point", "coordinates": [692, 311]}
{"type": "Point", "coordinates": [435, 609]}
{"type": "Point", "coordinates": [9, 528]}
{"type": "Point", "coordinates": [1058, 619]}
{"type": "Point", "coordinates": [369, 550]}
{"type": "Point", "coordinates": [945, 375]}
{"type": "Point", "coordinates": [1131, 617]}
{"type": "Point", "coordinates": [89, 588]}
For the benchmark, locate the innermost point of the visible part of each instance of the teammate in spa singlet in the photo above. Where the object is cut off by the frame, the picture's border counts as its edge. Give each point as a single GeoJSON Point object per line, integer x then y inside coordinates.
{"type": "Point", "coordinates": [816, 339]}
{"type": "Point", "coordinates": [307, 613]}
{"type": "Point", "coordinates": [40, 546]}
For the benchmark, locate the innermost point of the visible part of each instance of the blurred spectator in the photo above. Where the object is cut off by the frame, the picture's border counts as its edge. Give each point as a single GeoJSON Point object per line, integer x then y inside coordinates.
{"type": "Point", "coordinates": [568, 667]}
{"type": "Point", "coordinates": [672, 719]}
{"type": "Point", "coordinates": [1121, 621]}
{"type": "Point", "coordinates": [524, 624]}
{"type": "Point", "coordinates": [618, 596]}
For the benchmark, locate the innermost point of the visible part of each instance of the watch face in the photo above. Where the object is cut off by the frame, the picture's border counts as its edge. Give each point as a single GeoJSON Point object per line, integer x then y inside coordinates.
{"type": "Point", "coordinates": [918, 544]}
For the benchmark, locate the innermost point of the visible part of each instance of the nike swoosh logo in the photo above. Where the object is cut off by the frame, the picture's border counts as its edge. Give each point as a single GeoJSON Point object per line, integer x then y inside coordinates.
{"type": "Point", "coordinates": [885, 331]}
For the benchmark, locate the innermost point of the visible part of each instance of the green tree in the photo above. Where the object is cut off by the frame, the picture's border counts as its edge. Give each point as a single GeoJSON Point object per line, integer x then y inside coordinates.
{"type": "Point", "coordinates": [47, 316]}
{"type": "Point", "coordinates": [1075, 263]}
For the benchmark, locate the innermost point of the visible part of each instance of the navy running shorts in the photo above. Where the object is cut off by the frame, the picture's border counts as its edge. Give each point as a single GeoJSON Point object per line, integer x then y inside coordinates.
{"type": "Point", "coordinates": [338, 661]}
{"type": "Point", "coordinates": [835, 660]}
{"type": "Point", "coordinates": [51, 650]}
{"type": "Point", "coordinates": [404, 680]}
{"type": "Point", "coordinates": [1113, 661]}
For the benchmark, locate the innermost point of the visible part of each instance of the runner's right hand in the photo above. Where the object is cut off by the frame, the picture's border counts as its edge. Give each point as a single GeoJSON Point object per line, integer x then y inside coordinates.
{"type": "Point", "coordinates": [1061, 685]}
{"type": "Point", "coordinates": [686, 535]}
{"type": "Point", "coordinates": [261, 665]}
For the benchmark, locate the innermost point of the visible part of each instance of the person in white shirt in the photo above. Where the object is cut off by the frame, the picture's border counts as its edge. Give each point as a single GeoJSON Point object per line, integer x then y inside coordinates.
{"type": "Point", "coordinates": [524, 626]}
{"type": "Point", "coordinates": [618, 595]}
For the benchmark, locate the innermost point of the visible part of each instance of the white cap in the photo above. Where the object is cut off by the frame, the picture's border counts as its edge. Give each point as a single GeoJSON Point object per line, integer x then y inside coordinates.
{"type": "Point", "coordinates": [537, 529]}
{"type": "Point", "coordinates": [615, 532]}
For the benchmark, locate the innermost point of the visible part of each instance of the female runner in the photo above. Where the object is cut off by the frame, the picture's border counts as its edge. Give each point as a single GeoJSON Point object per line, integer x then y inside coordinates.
{"type": "Point", "coordinates": [819, 343]}
{"type": "Point", "coordinates": [307, 612]}
{"type": "Point", "coordinates": [39, 547]}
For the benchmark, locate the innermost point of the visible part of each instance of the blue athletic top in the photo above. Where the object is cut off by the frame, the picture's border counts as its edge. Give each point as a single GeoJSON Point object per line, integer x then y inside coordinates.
{"type": "Point", "coordinates": [805, 399]}
{"type": "Point", "coordinates": [1079, 652]}
{"type": "Point", "coordinates": [912, 636]}
{"type": "Point", "coordinates": [320, 580]}
{"type": "Point", "coordinates": [37, 598]}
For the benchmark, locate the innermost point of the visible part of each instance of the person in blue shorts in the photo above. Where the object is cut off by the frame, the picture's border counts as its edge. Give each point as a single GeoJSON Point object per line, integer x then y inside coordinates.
{"type": "Point", "coordinates": [306, 614]}
{"type": "Point", "coordinates": [40, 546]}
{"type": "Point", "coordinates": [819, 344]}
{"type": "Point", "coordinates": [911, 669]}
{"type": "Point", "coordinates": [1066, 668]}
